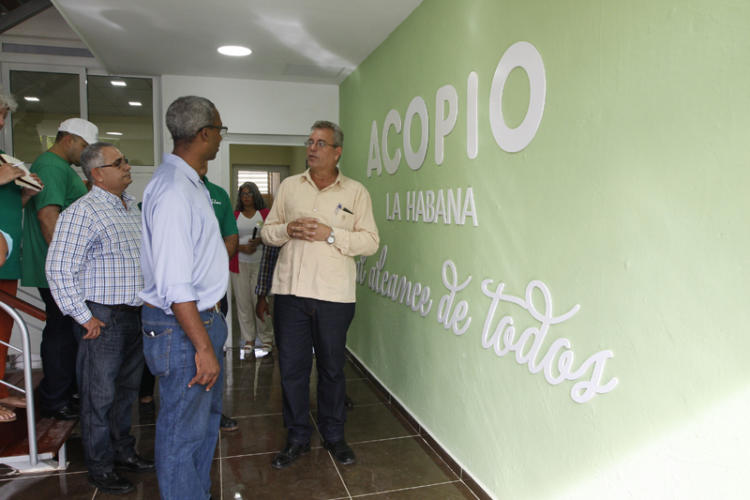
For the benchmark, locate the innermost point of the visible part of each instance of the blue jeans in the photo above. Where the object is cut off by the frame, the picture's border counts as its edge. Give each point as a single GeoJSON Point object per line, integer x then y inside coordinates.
{"type": "Point", "coordinates": [187, 427]}
{"type": "Point", "coordinates": [109, 371]}
{"type": "Point", "coordinates": [301, 324]}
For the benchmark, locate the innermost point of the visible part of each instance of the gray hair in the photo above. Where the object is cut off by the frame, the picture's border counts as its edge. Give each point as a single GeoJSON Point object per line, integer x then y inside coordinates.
{"type": "Point", "coordinates": [7, 101]}
{"type": "Point", "coordinates": [338, 134]}
{"type": "Point", "coordinates": [92, 157]}
{"type": "Point", "coordinates": [187, 115]}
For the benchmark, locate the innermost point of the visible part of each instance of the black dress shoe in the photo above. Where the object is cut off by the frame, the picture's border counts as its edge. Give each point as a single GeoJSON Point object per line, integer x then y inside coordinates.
{"type": "Point", "coordinates": [64, 413]}
{"type": "Point", "coordinates": [289, 454]}
{"type": "Point", "coordinates": [228, 424]}
{"type": "Point", "coordinates": [111, 482]}
{"type": "Point", "coordinates": [341, 452]}
{"type": "Point", "coordinates": [135, 464]}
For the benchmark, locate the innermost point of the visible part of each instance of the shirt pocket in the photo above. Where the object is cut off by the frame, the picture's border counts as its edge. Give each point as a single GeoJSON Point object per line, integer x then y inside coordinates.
{"type": "Point", "coordinates": [343, 220]}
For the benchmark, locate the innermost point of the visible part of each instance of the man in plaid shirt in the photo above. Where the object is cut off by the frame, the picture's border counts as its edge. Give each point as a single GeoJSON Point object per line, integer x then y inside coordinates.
{"type": "Point", "coordinates": [94, 271]}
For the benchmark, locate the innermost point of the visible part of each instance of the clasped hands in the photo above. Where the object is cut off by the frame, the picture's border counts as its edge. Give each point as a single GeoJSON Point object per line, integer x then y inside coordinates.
{"type": "Point", "coordinates": [308, 228]}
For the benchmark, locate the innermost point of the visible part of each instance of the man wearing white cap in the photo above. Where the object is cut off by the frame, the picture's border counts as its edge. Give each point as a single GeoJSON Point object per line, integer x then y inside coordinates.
{"type": "Point", "coordinates": [62, 186]}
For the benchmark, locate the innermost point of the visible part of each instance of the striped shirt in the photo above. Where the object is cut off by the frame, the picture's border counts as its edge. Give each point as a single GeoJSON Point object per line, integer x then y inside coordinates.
{"type": "Point", "coordinates": [95, 254]}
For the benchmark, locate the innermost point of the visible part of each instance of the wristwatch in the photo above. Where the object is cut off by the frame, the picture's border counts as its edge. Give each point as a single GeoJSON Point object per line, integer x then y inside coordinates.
{"type": "Point", "coordinates": [330, 238]}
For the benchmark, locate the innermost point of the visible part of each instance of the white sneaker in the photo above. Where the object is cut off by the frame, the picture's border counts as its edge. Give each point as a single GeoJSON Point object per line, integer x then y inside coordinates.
{"type": "Point", "coordinates": [261, 353]}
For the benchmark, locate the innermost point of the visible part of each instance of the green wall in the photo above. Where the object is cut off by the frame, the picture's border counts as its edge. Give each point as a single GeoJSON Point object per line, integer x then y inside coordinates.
{"type": "Point", "coordinates": [629, 201]}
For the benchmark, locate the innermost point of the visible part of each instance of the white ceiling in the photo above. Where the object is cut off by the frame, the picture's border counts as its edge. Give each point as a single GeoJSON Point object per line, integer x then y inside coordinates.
{"type": "Point", "coordinates": [319, 41]}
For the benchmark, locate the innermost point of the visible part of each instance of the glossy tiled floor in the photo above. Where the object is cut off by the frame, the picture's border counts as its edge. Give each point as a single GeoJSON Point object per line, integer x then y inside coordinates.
{"type": "Point", "coordinates": [393, 461]}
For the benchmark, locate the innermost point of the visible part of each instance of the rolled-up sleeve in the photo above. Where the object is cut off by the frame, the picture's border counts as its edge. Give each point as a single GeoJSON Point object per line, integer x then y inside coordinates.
{"type": "Point", "coordinates": [172, 249]}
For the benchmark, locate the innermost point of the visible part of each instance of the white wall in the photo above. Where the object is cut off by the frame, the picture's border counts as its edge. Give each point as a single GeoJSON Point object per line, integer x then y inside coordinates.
{"type": "Point", "coordinates": [253, 108]}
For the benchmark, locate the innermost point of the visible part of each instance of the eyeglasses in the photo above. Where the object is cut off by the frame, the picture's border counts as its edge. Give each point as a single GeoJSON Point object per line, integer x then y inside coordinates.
{"type": "Point", "coordinates": [319, 143]}
{"type": "Point", "coordinates": [117, 163]}
{"type": "Point", "coordinates": [223, 131]}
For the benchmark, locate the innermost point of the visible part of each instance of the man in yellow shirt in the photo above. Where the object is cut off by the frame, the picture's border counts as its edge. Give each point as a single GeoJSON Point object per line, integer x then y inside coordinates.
{"type": "Point", "coordinates": [321, 220]}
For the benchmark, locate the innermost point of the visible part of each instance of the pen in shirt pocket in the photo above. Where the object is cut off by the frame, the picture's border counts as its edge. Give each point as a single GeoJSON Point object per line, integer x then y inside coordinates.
{"type": "Point", "coordinates": [341, 207]}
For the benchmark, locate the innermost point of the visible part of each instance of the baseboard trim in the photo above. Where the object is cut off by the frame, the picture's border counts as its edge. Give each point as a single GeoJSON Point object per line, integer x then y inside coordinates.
{"type": "Point", "coordinates": [396, 406]}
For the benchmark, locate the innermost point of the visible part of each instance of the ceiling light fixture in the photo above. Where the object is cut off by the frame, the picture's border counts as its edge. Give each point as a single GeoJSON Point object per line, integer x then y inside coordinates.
{"type": "Point", "coordinates": [135, 103]}
{"type": "Point", "coordinates": [234, 50]}
{"type": "Point", "coordinates": [31, 98]}
{"type": "Point", "coordinates": [118, 83]}
{"type": "Point", "coordinates": [114, 133]}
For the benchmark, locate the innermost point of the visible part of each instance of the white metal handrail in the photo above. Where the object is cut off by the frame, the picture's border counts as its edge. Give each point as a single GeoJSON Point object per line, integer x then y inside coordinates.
{"type": "Point", "coordinates": [28, 390]}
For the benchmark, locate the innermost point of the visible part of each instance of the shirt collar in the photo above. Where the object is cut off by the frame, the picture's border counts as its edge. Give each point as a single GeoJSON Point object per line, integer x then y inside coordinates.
{"type": "Point", "coordinates": [339, 179]}
{"type": "Point", "coordinates": [111, 198]}
{"type": "Point", "coordinates": [183, 167]}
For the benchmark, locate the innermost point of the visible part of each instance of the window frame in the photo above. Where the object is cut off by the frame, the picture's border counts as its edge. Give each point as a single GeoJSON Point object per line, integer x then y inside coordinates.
{"type": "Point", "coordinates": [6, 137]}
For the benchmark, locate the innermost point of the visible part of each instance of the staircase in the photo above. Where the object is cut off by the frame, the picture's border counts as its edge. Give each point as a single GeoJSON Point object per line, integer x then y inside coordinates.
{"type": "Point", "coordinates": [30, 444]}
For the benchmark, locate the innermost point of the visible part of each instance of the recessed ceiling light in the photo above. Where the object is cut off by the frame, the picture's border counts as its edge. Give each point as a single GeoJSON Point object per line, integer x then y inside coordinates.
{"type": "Point", "coordinates": [135, 103]}
{"type": "Point", "coordinates": [114, 133]}
{"type": "Point", "coordinates": [118, 83]}
{"type": "Point", "coordinates": [234, 50]}
{"type": "Point", "coordinates": [31, 98]}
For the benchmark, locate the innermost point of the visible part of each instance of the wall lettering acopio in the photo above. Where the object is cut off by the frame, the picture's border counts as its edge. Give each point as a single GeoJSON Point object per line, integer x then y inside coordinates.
{"type": "Point", "coordinates": [519, 55]}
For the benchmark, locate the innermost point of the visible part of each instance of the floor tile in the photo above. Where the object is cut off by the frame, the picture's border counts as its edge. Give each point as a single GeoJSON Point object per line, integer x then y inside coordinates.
{"type": "Point", "coordinates": [241, 402]}
{"type": "Point", "coordinates": [62, 486]}
{"type": "Point", "coordinates": [451, 491]}
{"type": "Point", "coordinates": [391, 461]}
{"type": "Point", "coordinates": [352, 372]}
{"type": "Point", "coordinates": [312, 476]}
{"type": "Point", "coordinates": [368, 423]}
{"type": "Point", "coordinates": [252, 373]}
{"type": "Point", "coordinates": [261, 434]}
{"type": "Point", "coordinates": [363, 392]}
{"type": "Point", "coordinates": [394, 464]}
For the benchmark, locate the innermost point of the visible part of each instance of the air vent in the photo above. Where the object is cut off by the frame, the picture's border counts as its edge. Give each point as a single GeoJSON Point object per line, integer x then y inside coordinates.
{"type": "Point", "coordinates": [46, 50]}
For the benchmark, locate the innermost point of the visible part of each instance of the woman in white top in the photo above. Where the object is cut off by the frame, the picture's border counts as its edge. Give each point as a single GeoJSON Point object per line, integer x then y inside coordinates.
{"type": "Point", "coordinates": [250, 213]}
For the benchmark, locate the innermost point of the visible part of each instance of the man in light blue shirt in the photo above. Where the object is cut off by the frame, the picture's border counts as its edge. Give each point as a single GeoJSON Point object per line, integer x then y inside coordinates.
{"type": "Point", "coordinates": [186, 272]}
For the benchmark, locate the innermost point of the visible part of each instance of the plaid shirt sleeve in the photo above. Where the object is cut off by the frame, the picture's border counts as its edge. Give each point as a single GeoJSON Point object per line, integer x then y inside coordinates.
{"type": "Point", "coordinates": [65, 257]}
{"type": "Point", "coordinates": [267, 265]}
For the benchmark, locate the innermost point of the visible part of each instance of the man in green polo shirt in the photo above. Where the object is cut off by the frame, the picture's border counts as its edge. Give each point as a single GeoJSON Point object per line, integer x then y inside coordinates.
{"type": "Point", "coordinates": [228, 228]}
{"type": "Point", "coordinates": [62, 186]}
{"type": "Point", "coordinates": [223, 210]}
